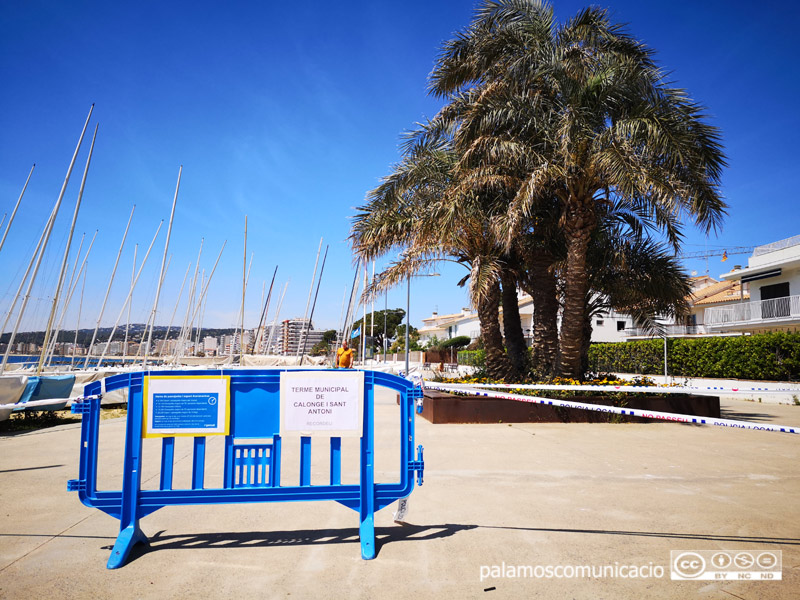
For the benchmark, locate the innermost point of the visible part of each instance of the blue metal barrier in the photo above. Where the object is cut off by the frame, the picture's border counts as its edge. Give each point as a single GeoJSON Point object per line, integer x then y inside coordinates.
{"type": "Point", "coordinates": [252, 471]}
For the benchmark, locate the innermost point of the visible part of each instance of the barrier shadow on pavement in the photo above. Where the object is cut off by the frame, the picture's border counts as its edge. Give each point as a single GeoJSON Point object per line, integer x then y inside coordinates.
{"type": "Point", "coordinates": [303, 537]}
{"type": "Point", "coordinates": [400, 533]}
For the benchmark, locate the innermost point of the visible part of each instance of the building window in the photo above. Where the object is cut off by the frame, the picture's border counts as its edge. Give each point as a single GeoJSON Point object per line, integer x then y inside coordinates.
{"type": "Point", "coordinates": [777, 290]}
{"type": "Point", "coordinates": [620, 325]}
{"type": "Point", "coordinates": [599, 322]}
{"type": "Point", "coordinates": [775, 301]}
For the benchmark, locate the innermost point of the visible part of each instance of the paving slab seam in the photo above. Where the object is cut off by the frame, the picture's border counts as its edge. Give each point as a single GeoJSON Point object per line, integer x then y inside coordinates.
{"type": "Point", "coordinates": [44, 543]}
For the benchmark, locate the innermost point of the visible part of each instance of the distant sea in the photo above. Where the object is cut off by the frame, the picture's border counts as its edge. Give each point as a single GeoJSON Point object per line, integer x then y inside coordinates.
{"type": "Point", "coordinates": [30, 359]}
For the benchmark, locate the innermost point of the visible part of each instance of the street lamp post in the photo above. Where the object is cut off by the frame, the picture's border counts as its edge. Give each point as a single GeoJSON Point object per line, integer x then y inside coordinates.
{"type": "Point", "coordinates": [408, 317]}
{"type": "Point", "coordinates": [385, 313]}
{"type": "Point", "coordinates": [408, 311]}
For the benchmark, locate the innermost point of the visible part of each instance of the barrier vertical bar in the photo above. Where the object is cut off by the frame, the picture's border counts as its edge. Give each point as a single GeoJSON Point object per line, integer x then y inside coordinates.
{"type": "Point", "coordinates": [410, 408]}
{"type": "Point", "coordinates": [336, 461]}
{"type": "Point", "coordinates": [275, 463]}
{"type": "Point", "coordinates": [167, 457]}
{"type": "Point", "coordinates": [227, 476]}
{"type": "Point", "coordinates": [367, 488]}
{"type": "Point", "coordinates": [305, 460]}
{"type": "Point", "coordinates": [267, 453]}
{"type": "Point", "coordinates": [94, 435]}
{"type": "Point", "coordinates": [199, 464]}
{"type": "Point", "coordinates": [129, 531]}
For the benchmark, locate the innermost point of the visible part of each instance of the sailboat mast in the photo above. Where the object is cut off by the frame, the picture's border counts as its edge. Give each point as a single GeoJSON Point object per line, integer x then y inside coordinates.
{"type": "Point", "coordinates": [130, 304]}
{"type": "Point", "coordinates": [163, 278]}
{"type": "Point", "coordinates": [341, 314]}
{"type": "Point", "coordinates": [161, 273]}
{"type": "Point", "coordinates": [16, 206]}
{"type": "Point", "coordinates": [25, 276]}
{"type": "Point", "coordinates": [364, 321]}
{"type": "Point", "coordinates": [310, 291]}
{"type": "Point", "coordinates": [260, 331]}
{"type": "Point", "coordinates": [44, 241]}
{"type": "Point", "coordinates": [52, 349]}
{"type": "Point", "coordinates": [78, 323]}
{"type": "Point", "coordinates": [200, 322]}
{"type": "Point", "coordinates": [314, 305]}
{"type": "Point", "coordinates": [349, 305]}
{"type": "Point", "coordinates": [175, 310]}
{"type": "Point", "coordinates": [65, 258]}
{"type": "Point", "coordinates": [277, 314]}
{"type": "Point", "coordinates": [70, 286]}
{"type": "Point", "coordinates": [191, 330]}
{"type": "Point", "coordinates": [130, 294]}
{"type": "Point", "coordinates": [70, 292]}
{"type": "Point", "coordinates": [244, 288]}
{"type": "Point", "coordinates": [241, 312]}
{"type": "Point", "coordinates": [182, 336]}
{"type": "Point", "coordinates": [207, 284]}
{"type": "Point", "coordinates": [108, 289]}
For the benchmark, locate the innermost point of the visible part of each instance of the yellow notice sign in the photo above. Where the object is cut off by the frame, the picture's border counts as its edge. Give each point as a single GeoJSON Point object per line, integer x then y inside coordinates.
{"type": "Point", "coordinates": [186, 405]}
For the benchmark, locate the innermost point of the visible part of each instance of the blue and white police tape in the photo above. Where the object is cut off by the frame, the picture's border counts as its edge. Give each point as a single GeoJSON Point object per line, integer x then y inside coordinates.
{"type": "Point", "coordinates": [633, 412]}
{"type": "Point", "coordinates": [652, 389]}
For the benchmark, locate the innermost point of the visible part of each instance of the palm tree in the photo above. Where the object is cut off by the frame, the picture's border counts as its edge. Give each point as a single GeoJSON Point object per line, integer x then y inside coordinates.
{"type": "Point", "coordinates": [586, 111]}
{"type": "Point", "coordinates": [632, 273]}
{"type": "Point", "coordinates": [423, 210]}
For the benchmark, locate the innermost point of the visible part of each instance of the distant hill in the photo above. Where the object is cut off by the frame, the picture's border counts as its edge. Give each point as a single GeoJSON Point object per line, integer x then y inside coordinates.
{"type": "Point", "coordinates": [135, 333]}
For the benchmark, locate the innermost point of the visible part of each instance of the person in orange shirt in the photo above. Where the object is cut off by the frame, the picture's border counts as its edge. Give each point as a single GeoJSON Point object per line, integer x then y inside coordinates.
{"type": "Point", "coordinates": [344, 357]}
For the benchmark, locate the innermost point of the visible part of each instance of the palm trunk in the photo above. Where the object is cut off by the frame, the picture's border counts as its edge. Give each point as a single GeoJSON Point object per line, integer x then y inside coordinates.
{"type": "Point", "coordinates": [586, 342]}
{"type": "Point", "coordinates": [512, 327]}
{"type": "Point", "coordinates": [578, 229]}
{"type": "Point", "coordinates": [497, 364]}
{"type": "Point", "coordinates": [541, 285]}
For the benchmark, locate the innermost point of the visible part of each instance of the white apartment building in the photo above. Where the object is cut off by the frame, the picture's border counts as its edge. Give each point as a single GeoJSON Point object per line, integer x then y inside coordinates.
{"type": "Point", "coordinates": [609, 326]}
{"type": "Point", "coordinates": [210, 345]}
{"type": "Point", "coordinates": [445, 327]}
{"type": "Point", "coordinates": [114, 348]}
{"type": "Point", "coordinates": [707, 293]}
{"type": "Point", "coordinates": [297, 333]}
{"type": "Point", "coordinates": [773, 304]}
{"type": "Point", "coordinates": [232, 344]}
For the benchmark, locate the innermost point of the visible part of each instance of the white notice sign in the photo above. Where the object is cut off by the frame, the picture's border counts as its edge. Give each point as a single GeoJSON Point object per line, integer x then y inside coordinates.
{"type": "Point", "coordinates": [322, 403]}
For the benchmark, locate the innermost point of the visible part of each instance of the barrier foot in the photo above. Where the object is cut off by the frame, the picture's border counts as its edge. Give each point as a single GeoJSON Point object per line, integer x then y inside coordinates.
{"type": "Point", "coordinates": [367, 534]}
{"type": "Point", "coordinates": [127, 539]}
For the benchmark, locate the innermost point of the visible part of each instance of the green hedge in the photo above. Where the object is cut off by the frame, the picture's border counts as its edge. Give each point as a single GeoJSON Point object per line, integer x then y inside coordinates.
{"type": "Point", "coordinates": [766, 356]}
{"type": "Point", "coordinates": [475, 358]}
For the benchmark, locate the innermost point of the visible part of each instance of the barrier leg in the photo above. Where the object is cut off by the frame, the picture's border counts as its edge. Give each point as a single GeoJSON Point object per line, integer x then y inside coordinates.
{"type": "Point", "coordinates": [127, 539]}
{"type": "Point", "coordinates": [129, 531]}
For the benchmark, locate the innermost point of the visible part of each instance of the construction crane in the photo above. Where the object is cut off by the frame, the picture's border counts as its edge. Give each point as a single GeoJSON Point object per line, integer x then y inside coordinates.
{"type": "Point", "coordinates": [723, 253]}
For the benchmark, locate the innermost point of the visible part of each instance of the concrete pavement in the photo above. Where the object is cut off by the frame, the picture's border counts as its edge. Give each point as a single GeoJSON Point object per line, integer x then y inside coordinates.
{"type": "Point", "coordinates": [495, 496]}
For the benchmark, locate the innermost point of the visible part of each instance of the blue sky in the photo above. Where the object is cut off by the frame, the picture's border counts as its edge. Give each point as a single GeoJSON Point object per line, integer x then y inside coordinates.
{"type": "Point", "coordinates": [290, 113]}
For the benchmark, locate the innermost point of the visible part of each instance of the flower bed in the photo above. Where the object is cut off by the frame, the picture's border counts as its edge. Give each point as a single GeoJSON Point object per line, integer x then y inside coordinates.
{"type": "Point", "coordinates": [442, 407]}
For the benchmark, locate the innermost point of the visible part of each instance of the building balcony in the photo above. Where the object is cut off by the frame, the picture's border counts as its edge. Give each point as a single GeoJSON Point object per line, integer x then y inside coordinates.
{"type": "Point", "coordinates": [776, 312]}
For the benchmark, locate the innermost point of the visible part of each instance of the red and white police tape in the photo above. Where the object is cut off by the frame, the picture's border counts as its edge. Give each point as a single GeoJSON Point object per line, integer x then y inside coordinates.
{"type": "Point", "coordinates": [473, 390]}
{"type": "Point", "coordinates": [652, 389]}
